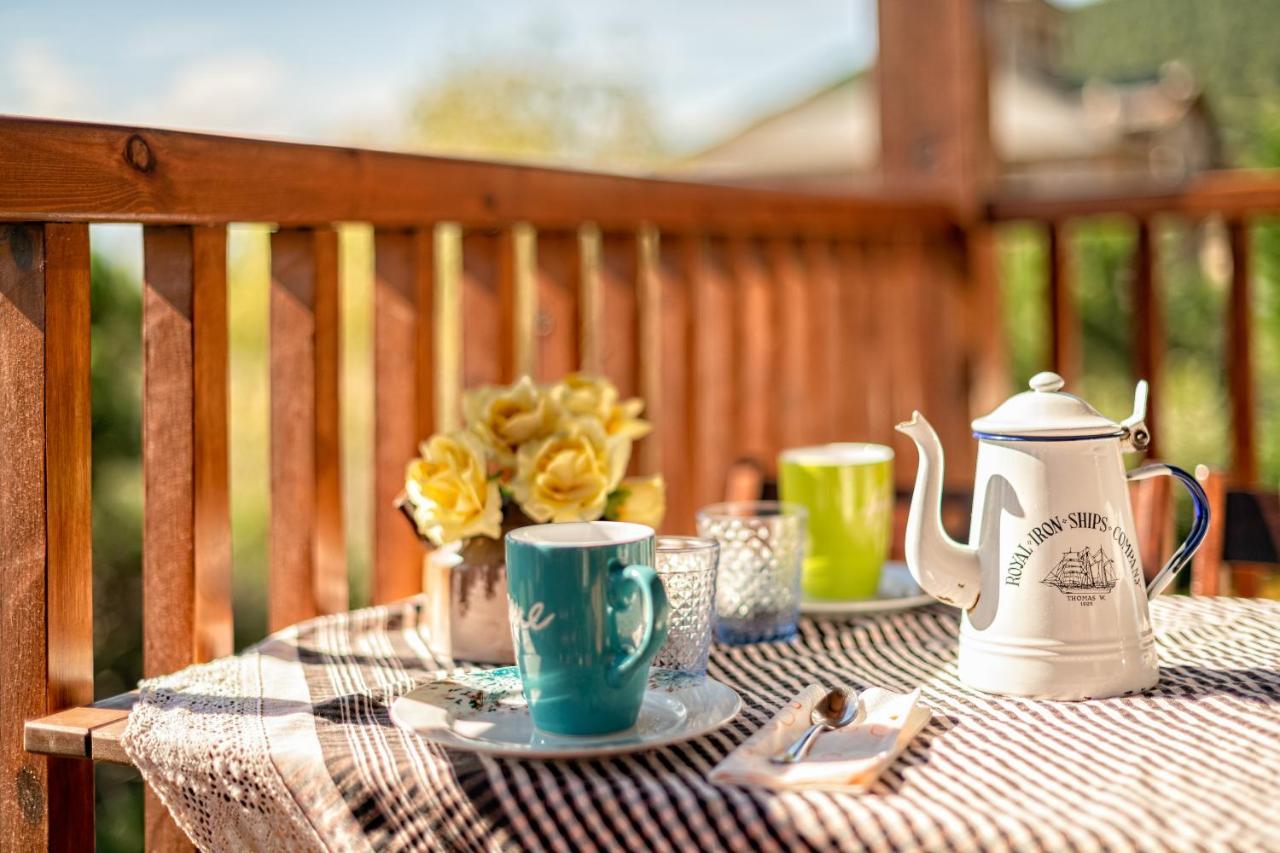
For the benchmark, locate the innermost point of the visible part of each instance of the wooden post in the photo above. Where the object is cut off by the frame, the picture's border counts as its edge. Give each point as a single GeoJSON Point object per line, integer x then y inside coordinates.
{"type": "Point", "coordinates": [1244, 460]}
{"type": "Point", "coordinates": [1148, 326]}
{"type": "Point", "coordinates": [932, 75]}
{"type": "Point", "coordinates": [46, 564]}
{"type": "Point", "coordinates": [935, 138]}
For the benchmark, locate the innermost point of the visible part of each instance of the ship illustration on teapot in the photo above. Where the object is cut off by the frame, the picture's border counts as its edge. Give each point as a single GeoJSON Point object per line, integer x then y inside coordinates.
{"type": "Point", "coordinates": [1083, 572]}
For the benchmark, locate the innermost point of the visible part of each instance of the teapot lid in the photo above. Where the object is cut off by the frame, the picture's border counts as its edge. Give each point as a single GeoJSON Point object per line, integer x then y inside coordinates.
{"type": "Point", "coordinates": [1046, 412]}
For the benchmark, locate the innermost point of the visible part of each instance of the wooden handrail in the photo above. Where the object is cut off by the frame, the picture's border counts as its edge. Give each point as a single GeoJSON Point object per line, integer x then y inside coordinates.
{"type": "Point", "coordinates": [68, 171]}
{"type": "Point", "coordinates": [1230, 193]}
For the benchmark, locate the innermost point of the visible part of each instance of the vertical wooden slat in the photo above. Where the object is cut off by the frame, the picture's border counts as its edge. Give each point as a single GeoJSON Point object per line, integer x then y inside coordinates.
{"type": "Point", "coordinates": [291, 591]}
{"type": "Point", "coordinates": [826, 374]}
{"type": "Point", "coordinates": [488, 308]}
{"type": "Point", "coordinates": [1244, 460]}
{"type": "Point", "coordinates": [170, 583]}
{"type": "Point", "coordinates": [756, 364]}
{"type": "Point", "coordinates": [212, 526]}
{"type": "Point", "coordinates": [186, 533]}
{"type": "Point", "coordinates": [986, 336]}
{"type": "Point", "coordinates": [712, 354]}
{"type": "Point", "coordinates": [69, 512]}
{"type": "Point", "coordinates": [332, 589]}
{"type": "Point", "coordinates": [557, 327]}
{"type": "Point", "coordinates": [671, 403]}
{"type": "Point", "coordinates": [24, 808]}
{"type": "Point", "coordinates": [1148, 326]}
{"type": "Point", "coordinates": [796, 398]}
{"type": "Point", "coordinates": [620, 312]}
{"type": "Point", "coordinates": [898, 265]}
{"type": "Point", "coordinates": [403, 275]}
{"type": "Point", "coordinates": [424, 275]}
{"type": "Point", "coordinates": [1064, 355]}
{"type": "Point", "coordinates": [305, 485]}
{"type": "Point", "coordinates": [168, 450]}
{"type": "Point", "coordinates": [863, 404]}
{"type": "Point", "coordinates": [46, 611]}
{"type": "Point", "coordinates": [647, 455]}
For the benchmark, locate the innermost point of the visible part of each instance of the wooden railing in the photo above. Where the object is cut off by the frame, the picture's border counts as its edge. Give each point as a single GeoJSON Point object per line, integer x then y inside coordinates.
{"type": "Point", "coordinates": [747, 319]}
{"type": "Point", "coordinates": [1237, 198]}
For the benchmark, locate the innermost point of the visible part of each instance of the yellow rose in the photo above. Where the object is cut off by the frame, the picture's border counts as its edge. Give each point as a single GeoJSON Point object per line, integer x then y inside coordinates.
{"type": "Point", "coordinates": [568, 476]}
{"type": "Point", "coordinates": [594, 397]}
{"type": "Point", "coordinates": [643, 501]}
{"type": "Point", "coordinates": [449, 491]}
{"type": "Point", "coordinates": [505, 417]}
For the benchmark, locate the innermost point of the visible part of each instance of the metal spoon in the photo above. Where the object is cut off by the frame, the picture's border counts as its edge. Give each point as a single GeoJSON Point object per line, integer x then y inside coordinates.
{"type": "Point", "coordinates": [837, 709]}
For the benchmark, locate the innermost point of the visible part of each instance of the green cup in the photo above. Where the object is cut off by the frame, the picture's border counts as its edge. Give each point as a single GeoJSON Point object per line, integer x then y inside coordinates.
{"type": "Point", "coordinates": [848, 490]}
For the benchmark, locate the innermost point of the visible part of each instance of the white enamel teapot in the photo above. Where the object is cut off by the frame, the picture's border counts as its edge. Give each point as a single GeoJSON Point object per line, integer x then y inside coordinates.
{"type": "Point", "coordinates": [1051, 582]}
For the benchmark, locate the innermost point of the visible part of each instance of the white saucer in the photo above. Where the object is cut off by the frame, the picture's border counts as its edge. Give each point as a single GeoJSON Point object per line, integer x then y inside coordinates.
{"type": "Point", "coordinates": [898, 591]}
{"type": "Point", "coordinates": [485, 711]}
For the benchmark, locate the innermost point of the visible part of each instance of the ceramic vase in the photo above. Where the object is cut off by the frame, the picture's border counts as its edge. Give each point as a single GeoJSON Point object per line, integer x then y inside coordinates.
{"type": "Point", "coordinates": [466, 589]}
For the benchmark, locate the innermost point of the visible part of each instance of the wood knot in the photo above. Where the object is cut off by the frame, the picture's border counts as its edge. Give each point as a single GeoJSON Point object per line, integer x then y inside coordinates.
{"type": "Point", "coordinates": [30, 795]}
{"type": "Point", "coordinates": [137, 153]}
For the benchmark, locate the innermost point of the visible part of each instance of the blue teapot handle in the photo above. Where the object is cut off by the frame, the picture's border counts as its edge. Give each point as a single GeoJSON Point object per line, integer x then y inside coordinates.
{"type": "Point", "coordinates": [1199, 524]}
{"type": "Point", "coordinates": [653, 598]}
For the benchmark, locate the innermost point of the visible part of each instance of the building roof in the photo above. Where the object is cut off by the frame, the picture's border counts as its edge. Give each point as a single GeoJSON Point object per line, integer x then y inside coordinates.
{"type": "Point", "coordinates": [1039, 124]}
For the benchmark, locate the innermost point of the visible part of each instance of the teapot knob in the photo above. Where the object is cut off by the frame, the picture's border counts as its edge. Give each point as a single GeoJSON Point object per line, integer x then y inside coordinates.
{"type": "Point", "coordinates": [1047, 382]}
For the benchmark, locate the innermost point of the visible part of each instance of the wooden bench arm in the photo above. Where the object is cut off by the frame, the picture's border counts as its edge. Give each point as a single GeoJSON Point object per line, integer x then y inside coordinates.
{"type": "Point", "coordinates": [89, 731]}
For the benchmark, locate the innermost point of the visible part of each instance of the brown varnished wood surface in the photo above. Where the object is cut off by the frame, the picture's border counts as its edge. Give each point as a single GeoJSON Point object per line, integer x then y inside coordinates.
{"type": "Point", "coordinates": [72, 171]}
{"type": "Point", "coordinates": [400, 282]}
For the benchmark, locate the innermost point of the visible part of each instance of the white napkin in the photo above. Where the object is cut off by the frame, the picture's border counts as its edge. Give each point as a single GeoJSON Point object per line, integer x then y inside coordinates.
{"type": "Point", "coordinates": [848, 760]}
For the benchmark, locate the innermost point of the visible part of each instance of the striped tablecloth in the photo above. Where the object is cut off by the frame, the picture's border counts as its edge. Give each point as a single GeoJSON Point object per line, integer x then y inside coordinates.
{"type": "Point", "coordinates": [289, 746]}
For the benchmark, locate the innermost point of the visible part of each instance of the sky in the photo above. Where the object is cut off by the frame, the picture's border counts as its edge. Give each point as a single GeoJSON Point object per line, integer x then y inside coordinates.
{"type": "Point", "coordinates": [333, 72]}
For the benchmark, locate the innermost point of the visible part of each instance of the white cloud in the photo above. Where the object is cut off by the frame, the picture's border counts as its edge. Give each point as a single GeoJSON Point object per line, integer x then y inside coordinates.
{"type": "Point", "coordinates": [227, 93]}
{"type": "Point", "coordinates": [43, 83]}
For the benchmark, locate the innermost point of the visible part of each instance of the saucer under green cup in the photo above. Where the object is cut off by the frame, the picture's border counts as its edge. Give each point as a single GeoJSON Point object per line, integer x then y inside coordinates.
{"type": "Point", "coordinates": [848, 490]}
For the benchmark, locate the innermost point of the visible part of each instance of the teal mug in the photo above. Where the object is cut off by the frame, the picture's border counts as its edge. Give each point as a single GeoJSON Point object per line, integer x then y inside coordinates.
{"type": "Point", "coordinates": [588, 613]}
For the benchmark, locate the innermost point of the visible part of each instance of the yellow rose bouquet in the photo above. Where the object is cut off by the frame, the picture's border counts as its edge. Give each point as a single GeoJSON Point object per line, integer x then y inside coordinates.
{"type": "Point", "coordinates": [532, 453]}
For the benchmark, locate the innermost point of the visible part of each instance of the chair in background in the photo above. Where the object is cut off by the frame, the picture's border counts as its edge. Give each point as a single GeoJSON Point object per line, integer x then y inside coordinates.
{"type": "Point", "coordinates": [1243, 542]}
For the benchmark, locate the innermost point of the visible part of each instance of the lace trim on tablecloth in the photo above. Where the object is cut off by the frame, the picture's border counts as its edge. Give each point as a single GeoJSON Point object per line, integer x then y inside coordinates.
{"type": "Point", "coordinates": [236, 799]}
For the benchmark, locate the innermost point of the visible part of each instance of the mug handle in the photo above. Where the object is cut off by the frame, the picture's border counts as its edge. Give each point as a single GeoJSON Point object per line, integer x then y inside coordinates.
{"type": "Point", "coordinates": [1199, 524]}
{"type": "Point", "coordinates": [654, 600]}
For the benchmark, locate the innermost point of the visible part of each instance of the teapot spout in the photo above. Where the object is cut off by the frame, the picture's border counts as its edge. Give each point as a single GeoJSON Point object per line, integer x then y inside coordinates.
{"type": "Point", "coordinates": [944, 568]}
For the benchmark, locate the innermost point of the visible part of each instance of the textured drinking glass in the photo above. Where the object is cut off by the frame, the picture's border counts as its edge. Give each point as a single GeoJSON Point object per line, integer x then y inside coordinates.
{"type": "Point", "coordinates": [761, 555]}
{"type": "Point", "coordinates": [687, 567]}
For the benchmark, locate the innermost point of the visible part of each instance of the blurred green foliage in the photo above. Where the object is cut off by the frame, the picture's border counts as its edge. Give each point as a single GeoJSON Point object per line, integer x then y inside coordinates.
{"type": "Point", "coordinates": [1230, 46]}
{"type": "Point", "coordinates": [535, 107]}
